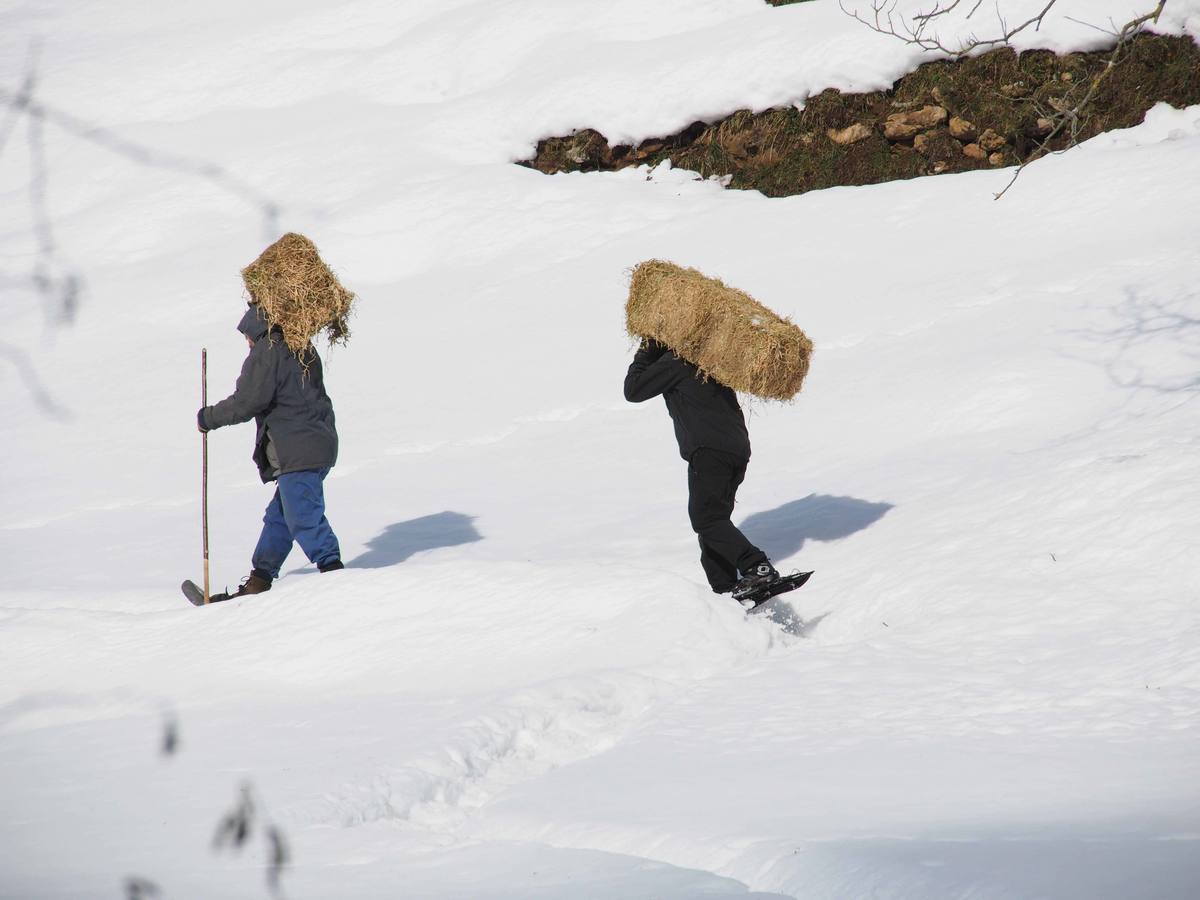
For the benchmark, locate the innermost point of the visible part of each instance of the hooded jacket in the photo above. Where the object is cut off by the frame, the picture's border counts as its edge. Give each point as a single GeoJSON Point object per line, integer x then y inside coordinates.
{"type": "Point", "coordinates": [295, 419]}
{"type": "Point", "coordinates": [705, 412]}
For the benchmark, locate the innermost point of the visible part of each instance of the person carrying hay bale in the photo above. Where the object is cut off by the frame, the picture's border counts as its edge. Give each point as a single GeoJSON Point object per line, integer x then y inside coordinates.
{"type": "Point", "coordinates": [293, 295]}
{"type": "Point", "coordinates": [700, 340]}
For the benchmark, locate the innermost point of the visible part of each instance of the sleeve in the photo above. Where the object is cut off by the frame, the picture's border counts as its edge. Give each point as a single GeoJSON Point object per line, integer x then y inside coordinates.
{"type": "Point", "coordinates": [253, 393]}
{"type": "Point", "coordinates": [654, 371]}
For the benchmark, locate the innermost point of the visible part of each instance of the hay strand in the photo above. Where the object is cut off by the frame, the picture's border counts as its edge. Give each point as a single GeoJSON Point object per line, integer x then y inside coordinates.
{"type": "Point", "coordinates": [724, 332]}
{"type": "Point", "coordinates": [298, 293]}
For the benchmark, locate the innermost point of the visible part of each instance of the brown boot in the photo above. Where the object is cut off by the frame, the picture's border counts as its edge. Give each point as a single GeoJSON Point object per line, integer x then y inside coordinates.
{"type": "Point", "coordinates": [254, 583]}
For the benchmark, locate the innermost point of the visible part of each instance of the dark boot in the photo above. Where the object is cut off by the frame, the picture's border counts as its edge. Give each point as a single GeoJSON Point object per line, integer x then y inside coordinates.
{"type": "Point", "coordinates": [755, 580]}
{"type": "Point", "coordinates": [255, 583]}
{"type": "Point", "coordinates": [332, 566]}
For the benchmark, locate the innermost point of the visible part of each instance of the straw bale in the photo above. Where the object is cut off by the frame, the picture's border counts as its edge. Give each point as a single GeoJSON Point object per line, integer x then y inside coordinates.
{"type": "Point", "coordinates": [724, 332]}
{"type": "Point", "coordinates": [299, 293]}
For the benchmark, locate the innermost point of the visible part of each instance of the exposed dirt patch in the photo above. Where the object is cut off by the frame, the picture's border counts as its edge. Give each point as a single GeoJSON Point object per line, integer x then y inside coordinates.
{"type": "Point", "coordinates": [944, 117]}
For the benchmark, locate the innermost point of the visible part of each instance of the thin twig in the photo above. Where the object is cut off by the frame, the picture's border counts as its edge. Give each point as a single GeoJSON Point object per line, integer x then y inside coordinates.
{"type": "Point", "coordinates": [147, 156]}
{"type": "Point", "coordinates": [41, 395]}
{"type": "Point", "coordinates": [1068, 116]}
{"type": "Point", "coordinates": [1071, 116]}
{"type": "Point", "coordinates": [884, 21]}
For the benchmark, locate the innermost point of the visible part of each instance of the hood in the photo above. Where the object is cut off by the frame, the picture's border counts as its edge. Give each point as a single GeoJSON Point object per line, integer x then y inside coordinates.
{"type": "Point", "coordinates": [253, 325]}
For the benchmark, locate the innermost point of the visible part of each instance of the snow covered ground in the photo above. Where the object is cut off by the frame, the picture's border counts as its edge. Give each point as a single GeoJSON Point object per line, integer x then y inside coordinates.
{"type": "Point", "coordinates": [521, 687]}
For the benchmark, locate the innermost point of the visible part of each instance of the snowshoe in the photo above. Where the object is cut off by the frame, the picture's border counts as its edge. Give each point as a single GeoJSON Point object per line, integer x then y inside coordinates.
{"type": "Point", "coordinates": [781, 585]}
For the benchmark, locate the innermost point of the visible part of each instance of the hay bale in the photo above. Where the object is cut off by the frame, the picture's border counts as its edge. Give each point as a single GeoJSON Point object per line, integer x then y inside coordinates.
{"type": "Point", "coordinates": [724, 332]}
{"type": "Point", "coordinates": [298, 292]}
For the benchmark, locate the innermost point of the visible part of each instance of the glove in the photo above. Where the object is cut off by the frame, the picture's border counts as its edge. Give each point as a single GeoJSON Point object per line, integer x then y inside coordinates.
{"type": "Point", "coordinates": [200, 423]}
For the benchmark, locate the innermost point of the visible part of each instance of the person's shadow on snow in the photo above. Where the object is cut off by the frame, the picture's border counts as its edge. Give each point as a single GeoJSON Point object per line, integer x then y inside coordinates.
{"type": "Point", "coordinates": [400, 540]}
{"type": "Point", "coordinates": [783, 531]}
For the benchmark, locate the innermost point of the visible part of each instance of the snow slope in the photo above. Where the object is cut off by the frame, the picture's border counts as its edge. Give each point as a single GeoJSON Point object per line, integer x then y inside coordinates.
{"type": "Point", "coordinates": [521, 687]}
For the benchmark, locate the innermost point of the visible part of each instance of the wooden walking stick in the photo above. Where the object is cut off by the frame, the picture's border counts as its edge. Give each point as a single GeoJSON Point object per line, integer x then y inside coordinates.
{"type": "Point", "coordinates": [204, 466]}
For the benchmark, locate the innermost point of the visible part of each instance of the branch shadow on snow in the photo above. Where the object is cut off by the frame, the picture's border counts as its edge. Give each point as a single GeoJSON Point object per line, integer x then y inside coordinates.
{"type": "Point", "coordinates": [783, 531]}
{"type": "Point", "coordinates": [1152, 344]}
{"type": "Point", "coordinates": [400, 540]}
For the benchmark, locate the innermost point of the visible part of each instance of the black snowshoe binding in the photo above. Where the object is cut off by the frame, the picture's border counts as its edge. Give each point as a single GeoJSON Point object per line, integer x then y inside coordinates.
{"type": "Point", "coordinates": [763, 583]}
{"type": "Point", "coordinates": [755, 581]}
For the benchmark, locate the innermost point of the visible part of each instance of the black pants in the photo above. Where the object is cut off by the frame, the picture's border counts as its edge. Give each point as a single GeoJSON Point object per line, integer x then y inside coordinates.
{"type": "Point", "coordinates": [713, 480]}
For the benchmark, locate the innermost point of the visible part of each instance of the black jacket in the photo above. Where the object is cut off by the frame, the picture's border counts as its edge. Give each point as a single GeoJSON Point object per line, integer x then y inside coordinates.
{"type": "Point", "coordinates": [705, 412]}
{"type": "Point", "coordinates": [293, 412]}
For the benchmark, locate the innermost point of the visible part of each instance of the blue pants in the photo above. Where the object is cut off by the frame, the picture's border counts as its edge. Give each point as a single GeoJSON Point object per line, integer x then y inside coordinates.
{"type": "Point", "coordinates": [296, 513]}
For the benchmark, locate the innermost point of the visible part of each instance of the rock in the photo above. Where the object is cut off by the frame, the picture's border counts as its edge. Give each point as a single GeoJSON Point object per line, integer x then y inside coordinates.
{"type": "Point", "coordinates": [940, 167]}
{"type": "Point", "coordinates": [962, 130]}
{"type": "Point", "coordinates": [999, 158]}
{"type": "Point", "coordinates": [929, 116]}
{"type": "Point", "coordinates": [851, 135]}
{"type": "Point", "coordinates": [904, 125]}
{"type": "Point", "coordinates": [921, 142]}
{"type": "Point", "coordinates": [990, 141]}
{"type": "Point", "coordinates": [974, 151]}
{"type": "Point", "coordinates": [1044, 126]}
{"type": "Point", "coordinates": [938, 97]}
{"type": "Point", "coordinates": [587, 149]}
{"type": "Point", "coordinates": [1016, 89]}
{"type": "Point", "coordinates": [1067, 76]}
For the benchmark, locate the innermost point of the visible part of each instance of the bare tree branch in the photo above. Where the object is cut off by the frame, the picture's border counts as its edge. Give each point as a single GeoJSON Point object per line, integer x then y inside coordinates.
{"type": "Point", "coordinates": [59, 285]}
{"type": "Point", "coordinates": [919, 30]}
{"type": "Point", "coordinates": [28, 373]}
{"type": "Point", "coordinates": [1067, 116]}
{"type": "Point", "coordinates": [59, 291]}
{"type": "Point", "coordinates": [946, 10]}
{"type": "Point", "coordinates": [17, 103]}
{"type": "Point", "coordinates": [137, 888]}
{"type": "Point", "coordinates": [22, 101]}
{"type": "Point", "coordinates": [240, 825]}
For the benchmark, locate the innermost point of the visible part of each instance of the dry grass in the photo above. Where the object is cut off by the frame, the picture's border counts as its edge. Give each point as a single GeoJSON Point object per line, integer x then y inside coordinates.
{"type": "Point", "coordinates": [724, 332]}
{"type": "Point", "coordinates": [299, 293]}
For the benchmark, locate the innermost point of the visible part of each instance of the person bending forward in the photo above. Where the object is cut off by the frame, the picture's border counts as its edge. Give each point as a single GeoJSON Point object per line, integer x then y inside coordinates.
{"type": "Point", "coordinates": [712, 436]}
